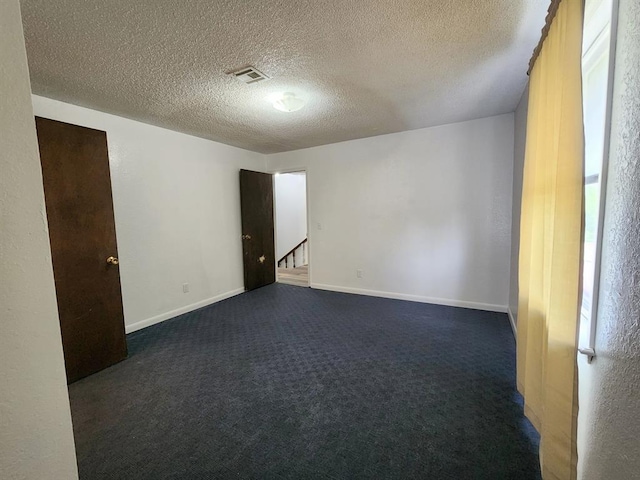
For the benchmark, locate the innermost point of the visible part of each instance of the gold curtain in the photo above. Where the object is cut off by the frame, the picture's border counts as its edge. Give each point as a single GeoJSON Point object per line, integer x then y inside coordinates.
{"type": "Point", "coordinates": [550, 243]}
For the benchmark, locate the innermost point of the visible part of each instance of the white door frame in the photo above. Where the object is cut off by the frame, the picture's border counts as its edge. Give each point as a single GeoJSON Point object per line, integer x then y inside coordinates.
{"type": "Point", "coordinates": [275, 219]}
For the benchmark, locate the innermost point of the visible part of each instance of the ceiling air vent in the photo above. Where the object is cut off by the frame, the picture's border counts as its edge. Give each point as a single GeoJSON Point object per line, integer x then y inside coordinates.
{"type": "Point", "coordinates": [249, 75]}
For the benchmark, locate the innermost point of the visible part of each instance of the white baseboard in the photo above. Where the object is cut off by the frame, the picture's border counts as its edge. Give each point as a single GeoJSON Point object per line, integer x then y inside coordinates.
{"type": "Point", "coordinates": [513, 323]}
{"type": "Point", "coordinates": [413, 298]}
{"type": "Point", "coordinates": [179, 311]}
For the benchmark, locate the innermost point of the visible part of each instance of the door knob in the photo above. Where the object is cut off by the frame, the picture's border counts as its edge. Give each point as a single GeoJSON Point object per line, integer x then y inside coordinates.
{"type": "Point", "coordinates": [246, 237]}
{"type": "Point", "coordinates": [112, 261]}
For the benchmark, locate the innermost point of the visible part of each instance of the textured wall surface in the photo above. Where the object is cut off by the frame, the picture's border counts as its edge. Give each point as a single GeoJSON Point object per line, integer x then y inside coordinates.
{"type": "Point", "coordinates": [36, 439]}
{"type": "Point", "coordinates": [365, 67]}
{"type": "Point", "coordinates": [176, 201]}
{"type": "Point", "coordinates": [426, 215]}
{"type": "Point", "coordinates": [520, 138]}
{"type": "Point", "coordinates": [609, 420]}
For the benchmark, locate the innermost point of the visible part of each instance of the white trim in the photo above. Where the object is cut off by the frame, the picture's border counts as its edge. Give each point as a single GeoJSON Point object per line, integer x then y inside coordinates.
{"type": "Point", "coordinates": [179, 311]}
{"type": "Point", "coordinates": [512, 321]}
{"type": "Point", "coordinates": [275, 223]}
{"type": "Point", "coordinates": [612, 25]}
{"type": "Point", "coordinates": [275, 218]}
{"type": "Point", "coordinates": [413, 298]}
{"type": "Point", "coordinates": [274, 171]}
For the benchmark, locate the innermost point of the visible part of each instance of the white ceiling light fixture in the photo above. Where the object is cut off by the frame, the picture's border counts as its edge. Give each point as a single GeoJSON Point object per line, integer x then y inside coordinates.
{"type": "Point", "coordinates": [288, 102]}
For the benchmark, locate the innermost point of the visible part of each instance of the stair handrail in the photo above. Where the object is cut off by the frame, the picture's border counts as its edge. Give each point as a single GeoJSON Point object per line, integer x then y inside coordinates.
{"type": "Point", "coordinates": [292, 252]}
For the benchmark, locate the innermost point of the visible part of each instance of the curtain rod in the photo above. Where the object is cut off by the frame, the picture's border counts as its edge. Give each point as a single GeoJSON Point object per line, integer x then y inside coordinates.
{"type": "Point", "coordinates": [551, 14]}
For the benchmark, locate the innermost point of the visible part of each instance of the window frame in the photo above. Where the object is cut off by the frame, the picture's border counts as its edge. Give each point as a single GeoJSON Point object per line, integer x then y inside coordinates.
{"type": "Point", "coordinates": [600, 33]}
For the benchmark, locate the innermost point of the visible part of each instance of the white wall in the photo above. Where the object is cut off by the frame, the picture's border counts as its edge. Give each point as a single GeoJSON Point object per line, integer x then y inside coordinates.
{"type": "Point", "coordinates": [520, 139]}
{"type": "Point", "coordinates": [425, 214]}
{"type": "Point", "coordinates": [177, 209]}
{"type": "Point", "coordinates": [291, 211]}
{"type": "Point", "coordinates": [609, 419]}
{"type": "Point", "coordinates": [36, 438]}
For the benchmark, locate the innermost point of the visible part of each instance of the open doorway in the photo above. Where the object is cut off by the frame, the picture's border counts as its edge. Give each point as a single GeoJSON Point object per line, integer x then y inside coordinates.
{"type": "Point", "coordinates": [292, 247]}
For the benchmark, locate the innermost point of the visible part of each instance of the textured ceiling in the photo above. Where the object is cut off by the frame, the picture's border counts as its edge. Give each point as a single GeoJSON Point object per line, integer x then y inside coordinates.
{"type": "Point", "coordinates": [366, 67]}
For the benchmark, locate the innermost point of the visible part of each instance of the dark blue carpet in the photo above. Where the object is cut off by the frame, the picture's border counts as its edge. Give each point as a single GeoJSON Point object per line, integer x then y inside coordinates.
{"type": "Point", "coordinates": [290, 382]}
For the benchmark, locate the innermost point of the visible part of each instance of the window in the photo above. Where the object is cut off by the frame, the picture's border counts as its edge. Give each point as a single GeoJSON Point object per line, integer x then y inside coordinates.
{"type": "Point", "coordinates": [596, 66]}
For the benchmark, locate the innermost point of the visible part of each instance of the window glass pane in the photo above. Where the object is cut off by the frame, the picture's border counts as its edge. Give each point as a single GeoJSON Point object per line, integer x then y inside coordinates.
{"type": "Point", "coordinates": [595, 104]}
{"type": "Point", "coordinates": [592, 207]}
{"type": "Point", "coordinates": [595, 81]}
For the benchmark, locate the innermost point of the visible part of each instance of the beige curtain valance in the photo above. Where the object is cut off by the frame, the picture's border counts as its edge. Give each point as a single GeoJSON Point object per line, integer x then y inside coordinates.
{"type": "Point", "coordinates": [551, 14]}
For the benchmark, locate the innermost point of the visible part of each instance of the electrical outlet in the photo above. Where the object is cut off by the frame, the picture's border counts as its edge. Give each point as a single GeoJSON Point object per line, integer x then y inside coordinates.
{"type": "Point", "coordinates": [185, 288]}
{"type": "Point", "coordinates": [319, 226]}
{"type": "Point", "coordinates": [359, 273]}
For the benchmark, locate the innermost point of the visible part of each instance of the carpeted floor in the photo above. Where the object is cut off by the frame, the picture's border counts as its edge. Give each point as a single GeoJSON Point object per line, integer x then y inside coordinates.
{"type": "Point", "coordinates": [289, 382]}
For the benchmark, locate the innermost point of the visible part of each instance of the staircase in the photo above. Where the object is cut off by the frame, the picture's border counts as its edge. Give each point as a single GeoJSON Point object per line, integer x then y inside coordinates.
{"type": "Point", "coordinates": [289, 259]}
{"type": "Point", "coordinates": [293, 268]}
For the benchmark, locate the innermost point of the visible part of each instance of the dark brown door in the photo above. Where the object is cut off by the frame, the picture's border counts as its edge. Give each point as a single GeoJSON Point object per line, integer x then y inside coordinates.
{"type": "Point", "coordinates": [77, 188]}
{"type": "Point", "coordinates": [256, 202]}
